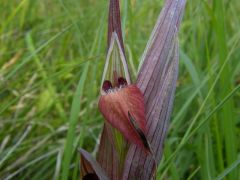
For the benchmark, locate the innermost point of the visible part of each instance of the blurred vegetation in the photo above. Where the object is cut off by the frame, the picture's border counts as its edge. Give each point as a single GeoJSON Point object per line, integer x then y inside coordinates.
{"type": "Point", "coordinates": [51, 60]}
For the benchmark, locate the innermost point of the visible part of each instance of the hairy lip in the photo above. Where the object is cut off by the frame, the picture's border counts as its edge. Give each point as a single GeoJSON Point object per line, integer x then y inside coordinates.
{"type": "Point", "coordinates": [114, 90]}
{"type": "Point", "coordinates": [116, 106]}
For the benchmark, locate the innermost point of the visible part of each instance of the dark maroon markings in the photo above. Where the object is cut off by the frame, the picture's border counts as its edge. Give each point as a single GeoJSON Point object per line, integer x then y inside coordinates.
{"type": "Point", "coordinates": [122, 81]}
{"type": "Point", "coordinates": [107, 85]}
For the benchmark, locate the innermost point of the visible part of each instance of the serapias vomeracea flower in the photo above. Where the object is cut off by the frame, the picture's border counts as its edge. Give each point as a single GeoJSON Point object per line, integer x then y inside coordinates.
{"type": "Point", "coordinates": [122, 103]}
{"type": "Point", "coordinates": [139, 112]}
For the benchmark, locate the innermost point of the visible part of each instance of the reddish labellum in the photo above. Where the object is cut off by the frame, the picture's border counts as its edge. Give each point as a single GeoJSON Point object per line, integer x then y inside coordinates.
{"type": "Point", "coordinates": [123, 108]}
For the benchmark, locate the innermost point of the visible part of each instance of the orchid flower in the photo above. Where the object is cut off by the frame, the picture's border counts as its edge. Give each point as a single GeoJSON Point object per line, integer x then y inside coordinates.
{"type": "Point", "coordinates": [136, 114]}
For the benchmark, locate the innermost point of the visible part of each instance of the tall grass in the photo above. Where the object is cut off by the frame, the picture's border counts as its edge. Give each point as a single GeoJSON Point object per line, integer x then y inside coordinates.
{"type": "Point", "coordinates": [51, 59]}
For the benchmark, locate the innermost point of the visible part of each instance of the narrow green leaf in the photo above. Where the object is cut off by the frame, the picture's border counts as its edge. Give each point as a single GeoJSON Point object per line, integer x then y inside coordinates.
{"type": "Point", "coordinates": [74, 115]}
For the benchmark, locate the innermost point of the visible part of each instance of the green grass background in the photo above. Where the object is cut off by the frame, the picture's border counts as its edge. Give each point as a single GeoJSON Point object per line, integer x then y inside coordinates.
{"type": "Point", "coordinates": [51, 60]}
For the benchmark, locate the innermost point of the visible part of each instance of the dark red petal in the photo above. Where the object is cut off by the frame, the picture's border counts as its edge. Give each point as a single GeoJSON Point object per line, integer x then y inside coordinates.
{"type": "Point", "coordinates": [116, 107]}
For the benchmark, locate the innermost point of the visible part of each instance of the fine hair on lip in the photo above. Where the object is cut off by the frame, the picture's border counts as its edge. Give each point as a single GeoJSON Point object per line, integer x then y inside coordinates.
{"type": "Point", "coordinates": [108, 86]}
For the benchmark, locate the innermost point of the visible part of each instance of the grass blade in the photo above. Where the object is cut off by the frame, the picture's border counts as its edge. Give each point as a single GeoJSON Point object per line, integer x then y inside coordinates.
{"type": "Point", "coordinates": [75, 109]}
